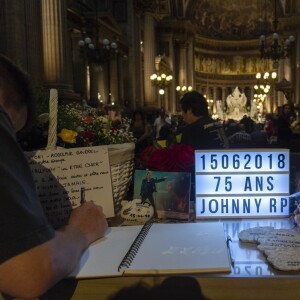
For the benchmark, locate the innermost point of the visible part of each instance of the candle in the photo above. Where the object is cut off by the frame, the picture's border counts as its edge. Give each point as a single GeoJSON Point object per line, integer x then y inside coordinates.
{"type": "Point", "coordinates": [52, 132]}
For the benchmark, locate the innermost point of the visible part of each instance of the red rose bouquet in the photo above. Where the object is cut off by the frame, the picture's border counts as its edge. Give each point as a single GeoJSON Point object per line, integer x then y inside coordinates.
{"type": "Point", "coordinates": [178, 158]}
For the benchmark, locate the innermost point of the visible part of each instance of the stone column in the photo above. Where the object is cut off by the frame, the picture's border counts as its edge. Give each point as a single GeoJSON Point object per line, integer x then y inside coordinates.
{"type": "Point", "coordinates": [280, 95]}
{"type": "Point", "coordinates": [297, 70]}
{"type": "Point", "coordinates": [56, 47]}
{"type": "Point", "coordinates": [274, 100]}
{"type": "Point", "coordinates": [215, 92]}
{"type": "Point", "coordinates": [182, 64]}
{"type": "Point", "coordinates": [120, 75]}
{"type": "Point", "coordinates": [34, 40]}
{"type": "Point", "coordinates": [151, 93]}
{"type": "Point", "coordinates": [172, 94]}
{"type": "Point", "coordinates": [21, 35]}
{"type": "Point", "coordinates": [101, 86]}
{"type": "Point", "coordinates": [79, 67]}
{"type": "Point", "coordinates": [287, 69]}
{"type": "Point", "coordinates": [93, 88]}
{"type": "Point", "coordinates": [131, 64]}
{"type": "Point", "coordinates": [251, 96]}
{"type": "Point", "coordinates": [87, 83]}
{"type": "Point", "coordinates": [114, 80]}
{"type": "Point", "coordinates": [224, 94]}
{"type": "Point", "coordinates": [12, 29]}
{"type": "Point", "coordinates": [190, 63]}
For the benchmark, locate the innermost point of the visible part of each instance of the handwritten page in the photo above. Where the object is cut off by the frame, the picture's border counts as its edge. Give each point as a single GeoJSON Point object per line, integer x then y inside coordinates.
{"type": "Point", "coordinates": [60, 174]}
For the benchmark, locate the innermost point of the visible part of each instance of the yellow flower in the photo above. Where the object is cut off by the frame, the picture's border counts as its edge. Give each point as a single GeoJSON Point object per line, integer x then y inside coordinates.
{"type": "Point", "coordinates": [68, 136]}
{"type": "Point", "coordinates": [294, 124]}
{"type": "Point", "coordinates": [162, 143]}
{"type": "Point", "coordinates": [178, 138]}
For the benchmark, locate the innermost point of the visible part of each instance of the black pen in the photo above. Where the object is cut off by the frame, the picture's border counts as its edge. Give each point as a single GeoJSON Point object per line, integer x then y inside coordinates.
{"type": "Point", "coordinates": [228, 240]}
{"type": "Point", "coordinates": [82, 195]}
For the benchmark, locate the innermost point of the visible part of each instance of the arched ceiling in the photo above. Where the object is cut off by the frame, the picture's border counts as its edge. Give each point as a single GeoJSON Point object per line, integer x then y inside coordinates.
{"type": "Point", "coordinates": [230, 20]}
{"type": "Point", "coordinates": [233, 20]}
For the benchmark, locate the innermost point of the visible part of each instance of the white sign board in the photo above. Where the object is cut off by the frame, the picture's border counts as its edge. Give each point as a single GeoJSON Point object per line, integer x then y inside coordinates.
{"type": "Point", "coordinates": [242, 183]}
{"type": "Point", "coordinates": [60, 174]}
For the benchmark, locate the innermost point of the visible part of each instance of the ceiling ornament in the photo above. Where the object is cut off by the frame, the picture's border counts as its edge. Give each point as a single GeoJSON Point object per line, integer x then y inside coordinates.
{"type": "Point", "coordinates": [275, 48]}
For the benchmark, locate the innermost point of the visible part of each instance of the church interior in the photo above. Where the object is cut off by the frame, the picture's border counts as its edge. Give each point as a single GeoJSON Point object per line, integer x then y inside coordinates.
{"type": "Point", "coordinates": [146, 54]}
{"type": "Point", "coordinates": [128, 56]}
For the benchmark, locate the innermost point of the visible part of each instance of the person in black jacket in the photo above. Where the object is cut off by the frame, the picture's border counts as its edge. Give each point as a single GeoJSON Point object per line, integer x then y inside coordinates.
{"type": "Point", "coordinates": [201, 131]}
{"type": "Point", "coordinates": [148, 187]}
{"type": "Point", "coordinates": [284, 131]}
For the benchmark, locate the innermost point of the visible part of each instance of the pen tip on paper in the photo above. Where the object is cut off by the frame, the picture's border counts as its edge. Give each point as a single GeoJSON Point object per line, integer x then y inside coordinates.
{"type": "Point", "coordinates": [82, 195]}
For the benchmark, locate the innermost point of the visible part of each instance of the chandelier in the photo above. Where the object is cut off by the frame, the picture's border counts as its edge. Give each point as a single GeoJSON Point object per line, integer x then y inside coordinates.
{"type": "Point", "coordinates": [278, 49]}
{"type": "Point", "coordinates": [97, 53]}
{"type": "Point", "coordinates": [183, 89]}
{"type": "Point", "coordinates": [262, 87]}
{"type": "Point", "coordinates": [161, 81]}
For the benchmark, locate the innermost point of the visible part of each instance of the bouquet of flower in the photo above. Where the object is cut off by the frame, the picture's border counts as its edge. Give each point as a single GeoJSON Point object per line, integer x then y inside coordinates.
{"type": "Point", "coordinates": [85, 127]}
{"type": "Point", "coordinates": [177, 158]}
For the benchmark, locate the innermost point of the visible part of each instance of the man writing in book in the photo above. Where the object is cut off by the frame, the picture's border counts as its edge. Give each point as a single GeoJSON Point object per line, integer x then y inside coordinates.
{"type": "Point", "coordinates": [33, 256]}
{"type": "Point", "coordinates": [148, 188]}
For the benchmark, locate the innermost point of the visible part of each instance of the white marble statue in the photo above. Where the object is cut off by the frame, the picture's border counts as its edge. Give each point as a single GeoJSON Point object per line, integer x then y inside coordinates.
{"type": "Point", "coordinates": [219, 109]}
{"type": "Point", "coordinates": [236, 103]}
{"type": "Point", "coordinates": [253, 112]}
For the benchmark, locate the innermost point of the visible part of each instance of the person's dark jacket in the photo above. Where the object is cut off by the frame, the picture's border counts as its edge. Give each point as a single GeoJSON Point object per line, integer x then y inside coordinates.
{"type": "Point", "coordinates": [205, 133]}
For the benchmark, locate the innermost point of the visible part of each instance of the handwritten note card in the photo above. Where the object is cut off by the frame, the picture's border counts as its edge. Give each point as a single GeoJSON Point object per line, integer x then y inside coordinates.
{"type": "Point", "coordinates": [60, 174]}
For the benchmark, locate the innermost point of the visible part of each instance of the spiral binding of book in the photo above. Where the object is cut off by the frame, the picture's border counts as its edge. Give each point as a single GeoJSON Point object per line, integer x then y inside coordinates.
{"type": "Point", "coordinates": [134, 248]}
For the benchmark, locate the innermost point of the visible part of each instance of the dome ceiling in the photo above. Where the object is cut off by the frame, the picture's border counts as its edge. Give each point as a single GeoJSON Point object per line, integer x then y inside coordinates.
{"type": "Point", "coordinates": [234, 20]}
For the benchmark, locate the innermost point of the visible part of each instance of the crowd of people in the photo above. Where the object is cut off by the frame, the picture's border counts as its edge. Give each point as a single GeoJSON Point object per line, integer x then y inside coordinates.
{"type": "Point", "coordinates": [34, 256]}
{"type": "Point", "coordinates": [280, 130]}
{"type": "Point", "coordinates": [196, 127]}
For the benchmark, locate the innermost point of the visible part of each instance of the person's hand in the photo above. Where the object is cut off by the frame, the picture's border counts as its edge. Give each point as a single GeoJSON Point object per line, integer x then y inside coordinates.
{"type": "Point", "coordinates": [90, 220]}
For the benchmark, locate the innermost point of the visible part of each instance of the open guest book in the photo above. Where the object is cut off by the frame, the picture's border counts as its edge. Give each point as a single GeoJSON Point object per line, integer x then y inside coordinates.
{"type": "Point", "coordinates": [157, 249]}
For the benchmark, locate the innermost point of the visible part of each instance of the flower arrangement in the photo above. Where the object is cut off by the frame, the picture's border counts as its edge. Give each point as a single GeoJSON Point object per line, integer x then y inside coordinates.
{"type": "Point", "coordinates": [86, 127]}
{"type": "Point", "coordinates": [176, 158]}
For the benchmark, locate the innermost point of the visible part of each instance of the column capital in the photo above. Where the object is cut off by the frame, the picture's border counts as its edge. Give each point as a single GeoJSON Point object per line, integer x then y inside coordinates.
{"type": "Point", "coordinates": [142, 6]}
{"type": "Point", "coordinates": [181, 38]}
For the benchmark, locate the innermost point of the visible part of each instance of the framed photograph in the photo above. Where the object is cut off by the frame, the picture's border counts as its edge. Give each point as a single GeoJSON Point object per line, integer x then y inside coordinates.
{"type": "Point", "coordinates": [167, 192]}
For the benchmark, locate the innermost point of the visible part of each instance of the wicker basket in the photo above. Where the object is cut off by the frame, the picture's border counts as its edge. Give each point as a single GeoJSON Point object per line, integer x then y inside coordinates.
{"type": "Point", "coordinates": [121, 160]}
{"type": "Point", "coordinates": [121, 156]}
